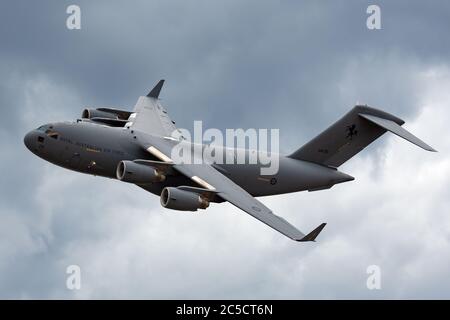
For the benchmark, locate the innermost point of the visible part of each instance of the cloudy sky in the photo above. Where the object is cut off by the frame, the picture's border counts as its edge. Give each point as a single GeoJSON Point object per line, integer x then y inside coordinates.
{"type": "Point", "coordinates": [293, 65]}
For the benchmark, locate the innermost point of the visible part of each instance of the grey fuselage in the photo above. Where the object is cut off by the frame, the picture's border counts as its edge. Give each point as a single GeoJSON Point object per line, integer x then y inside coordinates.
{"type": "Point", "coordinates": [97, 149]}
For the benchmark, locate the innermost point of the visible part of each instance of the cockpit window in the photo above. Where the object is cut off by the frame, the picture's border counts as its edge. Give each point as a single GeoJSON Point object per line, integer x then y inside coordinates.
{"type": "Point", "coordinates": [52, 133]}
{"type": "Point", "coordinates": [48, 130]}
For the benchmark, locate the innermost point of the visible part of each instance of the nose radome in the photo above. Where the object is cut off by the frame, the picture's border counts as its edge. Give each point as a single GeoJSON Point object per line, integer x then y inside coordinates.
{"type": "Point", "coordinates": [29, 139]}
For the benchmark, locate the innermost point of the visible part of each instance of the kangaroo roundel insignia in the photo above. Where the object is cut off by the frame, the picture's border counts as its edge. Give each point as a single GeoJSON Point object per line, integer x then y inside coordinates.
{"type": "Point", "coordinates": [351, 131]}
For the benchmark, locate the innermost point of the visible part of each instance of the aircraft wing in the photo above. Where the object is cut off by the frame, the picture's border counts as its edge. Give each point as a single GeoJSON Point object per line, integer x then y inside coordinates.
{"type": "Point", "coordinates": [208, 178]}
{"type": "Point", "coordinates": [153, 125]}
{"type": "Point", "coordinates": [150, 117]}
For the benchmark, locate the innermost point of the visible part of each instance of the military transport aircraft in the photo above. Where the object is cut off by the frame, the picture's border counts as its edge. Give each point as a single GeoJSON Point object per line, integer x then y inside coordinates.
{"type": "Point", "coordinates": [135, 147]}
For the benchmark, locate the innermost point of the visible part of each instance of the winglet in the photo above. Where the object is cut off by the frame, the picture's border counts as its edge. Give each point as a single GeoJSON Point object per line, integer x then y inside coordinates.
{"type": "Point", "coordinates": [156, 90]}
{"type": "Point", "coordinates": [313, 234]}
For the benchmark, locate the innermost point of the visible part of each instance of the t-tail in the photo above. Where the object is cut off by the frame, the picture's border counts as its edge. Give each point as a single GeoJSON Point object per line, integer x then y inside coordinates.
{"type": "Point", "coordinates": [351, 134]}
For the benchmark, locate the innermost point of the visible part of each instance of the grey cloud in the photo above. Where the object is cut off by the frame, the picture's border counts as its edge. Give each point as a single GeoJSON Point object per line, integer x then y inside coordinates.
{"type": "Point", "coordinates": [294, 65]}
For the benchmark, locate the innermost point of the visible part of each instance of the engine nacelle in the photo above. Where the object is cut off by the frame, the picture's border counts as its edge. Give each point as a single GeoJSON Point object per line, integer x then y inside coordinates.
{"type": "Point", "coordinates": [176, 199]}
{"type": "Point", "coordinates": [133, 172]}
{"type": "Point", "coordinates": [94, 113]}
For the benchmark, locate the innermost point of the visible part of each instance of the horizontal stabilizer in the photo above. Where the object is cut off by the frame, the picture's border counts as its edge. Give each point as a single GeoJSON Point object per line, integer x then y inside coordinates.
{"type": "Point", "coordinates": [396, 129]}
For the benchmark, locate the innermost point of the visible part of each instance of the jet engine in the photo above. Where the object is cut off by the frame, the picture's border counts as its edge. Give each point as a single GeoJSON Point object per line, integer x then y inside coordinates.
{"type": "Point", "coordinates": [94, 113]}
{"type": "Point", "coordinates": [177, 199]}
{"type": "Point", "coordinates": [129, 171]}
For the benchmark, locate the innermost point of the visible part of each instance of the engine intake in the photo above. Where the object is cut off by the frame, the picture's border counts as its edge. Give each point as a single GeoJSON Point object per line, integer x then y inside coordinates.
{"type": "Point", "coordinates": [176, 199]}
{"type": "Point", "coordinates": [129, 171]}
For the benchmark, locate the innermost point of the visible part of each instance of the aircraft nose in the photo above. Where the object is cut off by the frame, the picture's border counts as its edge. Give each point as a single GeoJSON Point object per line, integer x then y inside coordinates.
{"type": "Point", "coordinates": [30, 139]}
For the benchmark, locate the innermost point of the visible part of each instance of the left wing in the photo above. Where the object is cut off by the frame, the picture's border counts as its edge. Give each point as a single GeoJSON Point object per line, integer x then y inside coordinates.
{"type": "Point", "coordinates": [210, 179]}
{"type": "Point", "coordinates": [206, 176]}
{"type": "Point", "coordinates": [152, 125]}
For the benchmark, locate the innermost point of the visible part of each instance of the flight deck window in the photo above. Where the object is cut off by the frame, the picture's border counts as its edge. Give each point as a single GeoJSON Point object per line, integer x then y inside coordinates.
{"type": "Point", "coordinates": [45, 128]}
{"type": "Point", "coordinates": [52, 134]}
